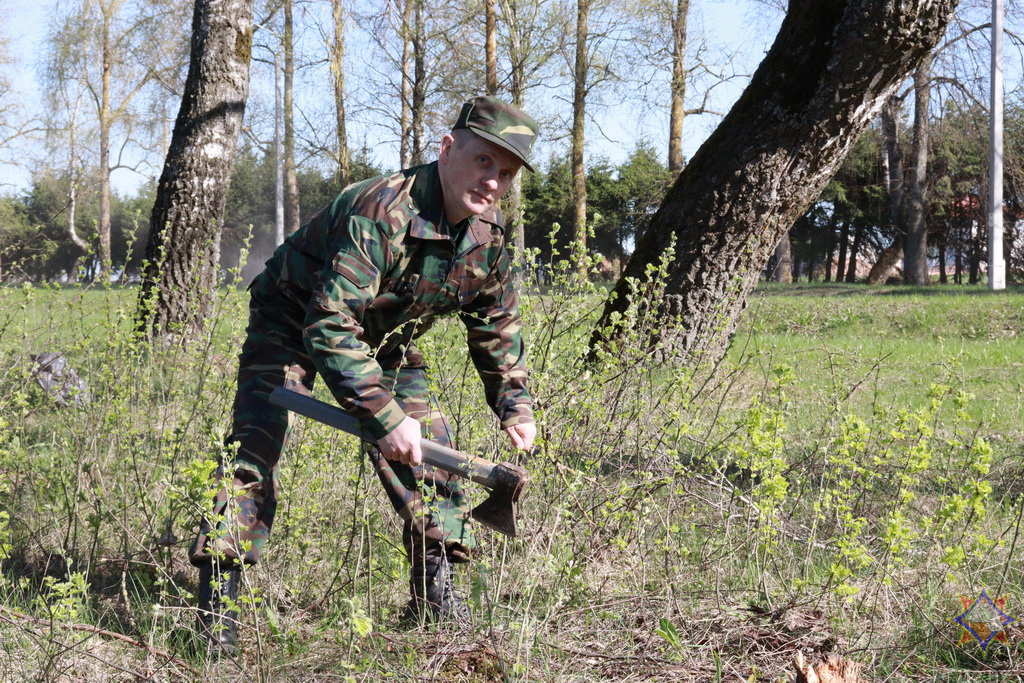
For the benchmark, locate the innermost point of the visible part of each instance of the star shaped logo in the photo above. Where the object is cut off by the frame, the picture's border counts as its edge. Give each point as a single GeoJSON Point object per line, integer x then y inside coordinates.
{"type": "Point", "coordinates": [983, 619]}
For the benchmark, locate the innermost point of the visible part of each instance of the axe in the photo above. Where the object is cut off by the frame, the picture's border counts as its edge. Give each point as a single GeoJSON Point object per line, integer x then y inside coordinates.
{"type": "Point", "coordinates": [505, 480]}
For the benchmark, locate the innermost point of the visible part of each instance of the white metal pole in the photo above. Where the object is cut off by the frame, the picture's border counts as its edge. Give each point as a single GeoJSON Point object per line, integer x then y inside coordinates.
{"type": "Point", "coordinates": [996, 264]}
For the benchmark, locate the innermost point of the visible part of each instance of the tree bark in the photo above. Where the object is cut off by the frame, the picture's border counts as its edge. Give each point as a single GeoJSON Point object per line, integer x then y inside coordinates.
{"type": "Point", "coordinates": [830, 250]}
{"type": "Point", "coordinates": [491, 46]}
{"type": "Point", "coordinates": [291, 183]}
{"type": "Point", "coordinates": [105, 124]}
{"type": "Point", "coordinates": [892, 157]}
{"type": "Point", "coordinates": [844, 244]}
{"type": "Point", "coordinates": [579, 101]}
{"type": "Point", "coordinates": [184, 239]}
{"type": "Point", "coordinates": [974, 265]}
{"type": "Point", "coordinates": [419, 83]}
{"type": "Point", "coordinates": [915, 262]}
{"type": "Point", "coordinates": [338, 72]}
{"type": "Point", "coordinates": [73, 235]}
{"type": "Point", "coordinates": [943, 279]}
{"type": "Point", "coordinates": [279, 222]}
{"type": "Point", "coordinates": [958, 262]}
{"type": "Point", "coordinates": [512, 209]}
{"type": "Point", "coordinates": [886, 263]}
{"type": "Point", "coordinates": [858, 240]}
{"type": "Point", "coordinates": [678, 85]}
{"type": "Point", "coordinates": [892, 168]}
{"type": "Point", "coordinates": [405, 118]}
{"type": "Point", "coordinates": [826, 76]}
{"type": "Point", "coordinates": [783, 271]}
{"type": "Point", "coordinates": [512, 205]}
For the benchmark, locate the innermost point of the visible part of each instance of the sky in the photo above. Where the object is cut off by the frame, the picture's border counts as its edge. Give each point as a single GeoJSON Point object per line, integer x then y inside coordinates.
{"type": "Point", "coordinates": [742, 28]}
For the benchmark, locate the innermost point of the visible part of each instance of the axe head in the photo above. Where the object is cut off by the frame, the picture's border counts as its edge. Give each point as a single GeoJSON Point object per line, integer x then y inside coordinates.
{"type": "Point", "coordinates": [498, 511]}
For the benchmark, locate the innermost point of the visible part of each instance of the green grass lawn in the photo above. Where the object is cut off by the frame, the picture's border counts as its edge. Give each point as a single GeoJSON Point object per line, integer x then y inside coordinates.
{"type": "Point", "coordinates": [852, 468]}
{"type": "Point", "coordinates": [887, 345]}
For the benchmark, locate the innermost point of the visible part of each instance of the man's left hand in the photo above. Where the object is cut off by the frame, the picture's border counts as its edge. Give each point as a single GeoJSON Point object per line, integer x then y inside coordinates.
{"type": "Point", "coordinates": [522, 435]}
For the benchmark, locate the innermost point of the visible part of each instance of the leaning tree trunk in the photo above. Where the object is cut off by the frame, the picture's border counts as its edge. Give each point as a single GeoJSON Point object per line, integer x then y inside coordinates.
{"type": "Point", "coordinates": [80, 244]}
{"type": "Point", "coordinates": [76, 239]}
{"type": "Point", "coordinates": [830, 69]}
{"type": "Point", "coordinates": [184, 237]}
{"type": "Point", "coordinates": [885, 264]}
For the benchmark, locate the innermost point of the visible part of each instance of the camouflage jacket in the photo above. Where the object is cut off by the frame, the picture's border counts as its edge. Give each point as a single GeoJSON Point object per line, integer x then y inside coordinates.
{"type": "Point", "coordinates": [370, 273]}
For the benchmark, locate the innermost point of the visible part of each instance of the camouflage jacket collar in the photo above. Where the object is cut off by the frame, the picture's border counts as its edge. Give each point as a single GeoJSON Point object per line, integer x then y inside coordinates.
{"type": "Point", "coordinates": [428, 222]}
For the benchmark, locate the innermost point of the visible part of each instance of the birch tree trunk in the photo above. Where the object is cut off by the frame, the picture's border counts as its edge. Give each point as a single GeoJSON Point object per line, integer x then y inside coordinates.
{"type": "Point", "coordinates": [184, 239]}
{"type": "Point", "coordinates": [419, 83]}
{"type": "Point", "coordinates": [491, 46]}
{"type": "Point", "coordinates": [915, 270]}
{"type": "Point", "coordinates": [858, 240]}
{"type": "Point", "coordinates": [892, 168]}
{"type": "Point", "coordinates": [105, 123]}
{"type": "Point", "coordinates": [291, 184]}
{"type": "Point", "coordinates": [279, 224]}
{"type": "Point", "coordinates": [73, 178]}
{"type": "Point", "coordinates": [783, 271]}
{"type": "Point", "coordinates": [512, 205]}
{"type": "Point", "coordinates": [826, 76]}
{"type": "Point", "coordinates": [338, 72]}
{"type": "Point", "coordinates": [678, 110]}
{"type": "Point", "coordinates": [405, 122]}
{"type": "Point", "coordinates": [892, 158]}
{"type": "Point", "coordinates": [579, 103]}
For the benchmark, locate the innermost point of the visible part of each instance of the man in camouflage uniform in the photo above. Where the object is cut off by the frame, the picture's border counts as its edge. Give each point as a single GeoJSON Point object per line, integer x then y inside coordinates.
{"type": "Point", "coordinates": [345, 297]}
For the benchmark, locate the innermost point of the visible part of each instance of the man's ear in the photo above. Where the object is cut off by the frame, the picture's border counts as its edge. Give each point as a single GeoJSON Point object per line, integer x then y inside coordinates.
{"type": "Point", "coordinates": [446, 145]}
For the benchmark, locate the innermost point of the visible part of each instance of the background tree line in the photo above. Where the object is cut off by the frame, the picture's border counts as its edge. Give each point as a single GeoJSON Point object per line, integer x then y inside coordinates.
{"type": "Point", "coordinates": [841, 237]}
{"type": "Point", "coordinates": [334, 76]}
{"type": "Point", "coordinates": [395, 72]}
{"type": "Point", "coordinates": [35, 245]}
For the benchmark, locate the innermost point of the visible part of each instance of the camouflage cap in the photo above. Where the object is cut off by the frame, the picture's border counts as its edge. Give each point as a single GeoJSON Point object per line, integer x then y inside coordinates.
{"type": "Point", "coordinates": [500, 123]}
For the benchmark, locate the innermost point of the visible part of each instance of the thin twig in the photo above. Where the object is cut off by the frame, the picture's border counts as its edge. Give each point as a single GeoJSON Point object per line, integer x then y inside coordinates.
{"type": "Point", "coordinates": [620, 658]}
{"type": "Point", "coordinates": [88, 628]}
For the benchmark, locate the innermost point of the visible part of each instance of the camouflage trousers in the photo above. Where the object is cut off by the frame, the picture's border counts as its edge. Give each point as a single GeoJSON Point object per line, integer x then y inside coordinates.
{"type": "Point", "coordinates": [430, 502]}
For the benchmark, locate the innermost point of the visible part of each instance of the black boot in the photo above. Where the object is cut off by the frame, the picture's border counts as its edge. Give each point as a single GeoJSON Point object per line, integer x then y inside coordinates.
{"type": "Point", "coordinates": [218, 608]}
{"type": "Point", "coordinates": [433, 590]}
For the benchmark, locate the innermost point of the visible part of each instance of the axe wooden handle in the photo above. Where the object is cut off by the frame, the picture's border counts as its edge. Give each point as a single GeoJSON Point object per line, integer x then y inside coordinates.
{"type": "Point", "coordinates": [479, 470]}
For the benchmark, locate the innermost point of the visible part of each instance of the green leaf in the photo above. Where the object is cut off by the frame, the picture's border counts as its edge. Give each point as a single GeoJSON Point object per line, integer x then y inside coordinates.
{"type": "Point", "coordinates": [272, 621]}
{"type": "Point", "coordinates": [667, 630]}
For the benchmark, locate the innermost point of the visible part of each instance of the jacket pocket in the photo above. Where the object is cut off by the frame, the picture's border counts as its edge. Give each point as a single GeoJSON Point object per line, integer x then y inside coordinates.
{"type": "Point", "coordinates": [354, 269]}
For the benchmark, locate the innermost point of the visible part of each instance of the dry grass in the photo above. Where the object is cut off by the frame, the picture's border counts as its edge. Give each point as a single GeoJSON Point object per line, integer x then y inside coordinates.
{"type": "Point", "coordinates": [652, 547]}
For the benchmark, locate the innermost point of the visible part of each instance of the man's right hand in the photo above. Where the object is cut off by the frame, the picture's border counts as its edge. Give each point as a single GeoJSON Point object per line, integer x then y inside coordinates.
{"type": "Point", "coordinates": [403, 443]}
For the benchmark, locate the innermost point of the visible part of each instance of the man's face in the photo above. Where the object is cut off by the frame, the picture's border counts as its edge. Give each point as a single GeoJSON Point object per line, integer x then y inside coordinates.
{"type": "Point", "coordinates": [474, 174]}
